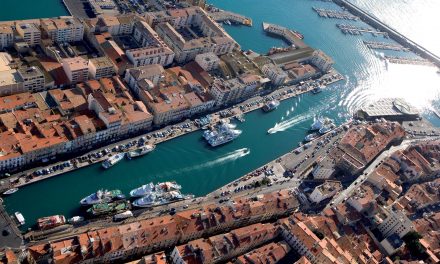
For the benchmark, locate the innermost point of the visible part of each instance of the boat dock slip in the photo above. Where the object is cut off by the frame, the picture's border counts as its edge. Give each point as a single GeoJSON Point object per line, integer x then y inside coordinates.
{"type": "Point", "coordinates": [412, 61]}
{"type": "Point", "coordinates": [384, 46]}
{"type": "Point", "coordinates": [329, 13]}
{"type": "Point", "coordinates": [291, 36]}
{"type": "Point", "coordinates": [354, 30]}
{"type": "Point", "coordinates": [221, 16]}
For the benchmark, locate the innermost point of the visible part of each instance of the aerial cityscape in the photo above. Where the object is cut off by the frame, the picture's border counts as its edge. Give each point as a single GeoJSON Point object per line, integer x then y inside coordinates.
{"type": "Point", "coordinates": [219, 131]}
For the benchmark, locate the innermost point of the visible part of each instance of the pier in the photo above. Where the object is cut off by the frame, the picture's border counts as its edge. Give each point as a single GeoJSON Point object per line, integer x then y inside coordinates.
{"type": "Point", "coordinates": [223, 16]}
{"type": "Point", "coordinates": [384, 46]}
{"type": "Point", "coordinates": [75, 8]}
{"type": "Point", "coordinates": [328, 13]}
{"type": "Point", "coordinates": [394, 34]}
{"type": "Point", "coordinates": [354, 30]}
{"type": "Point", "coordinates": [291, 36]}
{"type": "Point", "coordinates": [412, 61]}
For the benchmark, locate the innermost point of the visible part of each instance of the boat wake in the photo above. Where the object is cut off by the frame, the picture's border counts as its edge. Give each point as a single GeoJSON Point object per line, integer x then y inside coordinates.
{"type": "Point", "coordinates": [228, 157]}
{"type": "Point", "coordinates": [286, 124]}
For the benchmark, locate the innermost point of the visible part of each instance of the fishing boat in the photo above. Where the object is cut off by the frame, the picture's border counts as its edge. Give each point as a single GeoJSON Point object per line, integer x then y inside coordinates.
{"type": "Point", "coordinates": [102, 196]}
{"type": "Point", "coordinates": [140, 151]}
{"type": "Point", "coordinates": [49, 222]}
{"type": "Point", "coordinates": [108, 208]}
{"type": "Point", "coordinates": [10, 191]}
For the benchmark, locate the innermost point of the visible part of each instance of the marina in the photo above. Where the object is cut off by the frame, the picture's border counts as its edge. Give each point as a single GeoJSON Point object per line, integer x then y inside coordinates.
{"type": "Point", "coordinates": [384, 46]}
{"type": "Point", "coordinates": [354, 30]}
{"type": "Point", "coordinates": [329, 13]}
{"type": "Point", "coordinates": [412, 61]}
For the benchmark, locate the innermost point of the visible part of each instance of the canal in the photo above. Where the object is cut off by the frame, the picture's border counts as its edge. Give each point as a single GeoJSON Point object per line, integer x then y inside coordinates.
{"type": "Point", "coordinates": [201, 169]}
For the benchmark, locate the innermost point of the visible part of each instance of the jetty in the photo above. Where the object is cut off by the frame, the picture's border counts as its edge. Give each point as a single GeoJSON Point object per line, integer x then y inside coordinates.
{"type": "Point", "coordinates": [384, 46]}
{"type": "Point", "coordinates": [293, 37]}
{"type": "Point", "coordinates": [223, 16]}
{"type": "Point", "coordinates": [412, 61]}
{"type": "Point", "coordinates": [354, 30]}
{"type": "Point", "coordinates": [329, 13]}
{"type": "Point", "coordinates": [394, 34]}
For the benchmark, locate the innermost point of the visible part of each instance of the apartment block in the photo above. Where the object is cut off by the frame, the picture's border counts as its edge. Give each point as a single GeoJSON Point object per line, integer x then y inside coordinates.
{"type": "Point", "coordinates": [63, 29]}
{"type": "Point", "coordinates": [101, 67]}
{"type": "Point", "coordinates": [30, 32]}
{"type": "Point", "coordinates": [6, 36]}
{"type": "Point", "coordinates": [76, 69]}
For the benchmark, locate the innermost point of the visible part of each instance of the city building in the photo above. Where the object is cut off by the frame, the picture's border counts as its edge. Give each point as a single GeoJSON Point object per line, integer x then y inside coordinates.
{"type": "Point", "coordinates": [268, 254]}
{"type": "Point", "coordinates": [30, 32]}
{"type": "Point", "coordinates": [395, 222]}
{"type": "Point", "coordinates": [321, 60]}
{"type": "Point", "coordinates": [101, 67]}
{"type": "Point", "coordinates": [208, 61]}
{"type": "Point", "coordinates": [276, 75]}
{"type": "Point", "coordinates": [193, 32]}
{"type": "Point", "coordinates": [324, 191]}
{"type": "Point", "coordinates": [76, 69]}
{"type": "Point", "coordinates": [33, 79]}
{"type": "Point", "coordinates": [6, 36]}
{"type": "Point", "coordinates": [392, 109]}
{"type": "Point", "coordinates": [63, 29]}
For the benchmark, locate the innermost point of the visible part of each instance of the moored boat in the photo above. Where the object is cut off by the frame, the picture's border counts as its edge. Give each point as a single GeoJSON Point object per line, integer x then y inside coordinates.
{"type": "Point", "coordinates": [102, 196]}
{"type": "Point", "coordinates": [140, 151]}
{"type": "Point", "coordinates": [311, 137]}
{"type": "Point", "coordinates": [270, 106]}
{"type": "Point", "coordinates": [76, 219]}
{"type": "Point", "coordinates": [143, 190]}
{"type": "Point", "coordinates": [123, 215]}
{"type": "Point", "coordinates": [10, 191]}
{"type": "Point", "coordinates": [20, 218]}
{"type": "Point", "coordinates": [51, 221]}
{"type": "Point", "coordinates": [221, 134]}
{"type": "Point", "coordinates": [112, 160]}
{"type": "Point", "coordinates": [108, 208]}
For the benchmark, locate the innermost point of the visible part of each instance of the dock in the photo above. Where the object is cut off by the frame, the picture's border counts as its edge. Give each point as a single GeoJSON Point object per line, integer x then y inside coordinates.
{"type": "Point", "coordinates": [384, 46]}
{"type": "Point", "coordinates": [394, 34]}
{"type": "Point", "coordinates": [292, 37]}
{"type": "Point", "coordinates": [411, 61]}
{"type": "Point", "coordinates": [223, 16]}
{"type": "Point", "coordinates": [76, 8]}
{"type": "Point", "coordinates": [354, 30]}
{"type": "Point", "coordinates": [329, 13]}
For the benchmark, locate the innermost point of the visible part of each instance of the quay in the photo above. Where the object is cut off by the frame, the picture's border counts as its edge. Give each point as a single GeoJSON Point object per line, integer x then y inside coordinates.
{"type": "Point", "coordinates": [223, 16]}
{"type": "Point", "coordinates": [384, 46]}
{"type": "Point", "coordinates": [11, 235]}
{"type": "Point", "coordinates": [291, 36]}
{"type": "Point", "coordinates": [25, 178]}
{"type": "Point", "coordinates": [75, 8]}
{"type": "Point", "coordinates": [328, 13]}
{"type": "Point", "coordinates": [353, 30]}
{"type": "Point", "coordinates": [394, 34]}
{"type": "Point", "coordinates": [412, 61]}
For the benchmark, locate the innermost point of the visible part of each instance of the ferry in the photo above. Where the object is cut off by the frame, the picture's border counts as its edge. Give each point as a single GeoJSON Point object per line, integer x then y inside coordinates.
{"type": "Point", "coordinates": [102, 197]}
{"type": "Point", "coordinates": [123, 215]}
{"type": "Point", "coordinates": [10, 191]}
{"type": "Point", "coordinates": [76, 219]}
{"type": "Point", "coordinates": [51, 222]}
{"type": "Point", "coordinates": [140, 151]}
{"type": "Point", "coordinates": [221, 134]}
{"type": "Point", "coordinates": [112, 160]}
{"type": "Point", "coordinates": [20, 218]}
{"type": "Point", "coordinates": [272, 105]}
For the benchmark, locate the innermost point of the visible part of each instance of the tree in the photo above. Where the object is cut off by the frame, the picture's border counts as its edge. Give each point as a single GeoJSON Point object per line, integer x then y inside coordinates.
{"type": "Point", "coordinates": [415, 248]}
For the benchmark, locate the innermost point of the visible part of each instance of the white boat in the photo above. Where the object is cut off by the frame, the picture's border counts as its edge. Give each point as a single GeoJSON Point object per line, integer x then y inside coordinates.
{"type": "Point", "coordinates": [272, 105]}
{"type": "Point", "coordinates": [143, 190]}
{"type": "Point", "coordinates": [147, 201]}
{"type": "Point", "coordinates": [140, 151]}
{"type": "Point", "coordinates": [102, 196]}
{"type": "Point", "coordinates": [311, 137]}
{"type": "Point", "coordinates": [112, 160]}
{"type": "Point", "coordinates": [20, 218]}
{"type": "Point", "coordinates": [123, 215]}
{"type": "Point", "coordinates": [76, 219]}
{"type": "Point", "coordinates": [10, 191]}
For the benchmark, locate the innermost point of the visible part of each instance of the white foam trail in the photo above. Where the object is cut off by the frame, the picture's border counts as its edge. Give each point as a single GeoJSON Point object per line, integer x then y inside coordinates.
{"type": "Point", "coordinates": [231, 156]}
{"type": "Point", "coordinates": [289, 123]}
{"type": "Point", "coordinates": [288, 113]}
{"type": "Point", "coordinates": [291, 109]}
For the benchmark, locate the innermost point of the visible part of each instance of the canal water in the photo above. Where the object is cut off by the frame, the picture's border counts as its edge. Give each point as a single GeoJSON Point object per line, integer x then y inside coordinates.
{"type": "Point", "coordinates": [201, 169]}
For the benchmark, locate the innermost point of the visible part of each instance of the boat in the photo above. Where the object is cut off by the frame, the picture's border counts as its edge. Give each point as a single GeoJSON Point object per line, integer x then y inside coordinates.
{"type": "Point", "coordinates": [143, 190]}
{"type": "Point", "coordinates": [325, 129]}
{"type": "Point", "coordinates": [156, 199]}
{"type": "Point", "coordinates": [112, 160]}
{"type": "Point", "coordinates": [102, 197]}
{"type": "Point", "coordinates": [147, 201]}
{"type": "Point", "coordinates": [51, 222]}
{"type": "Point", "coordinates": [140, 151]}
{"type": "Point", "coordinates": [319, 122]}
{"type": "Point", "coordinates": [20, 218]}
{"type": "Point", "coordinates": [316, 90]}
{"type": "Point", "coordinates": [108, 208]}
{"type": "Point", "coordinates": [311, 137]}
{"type": "Point", "coordinates": [220, 134]}
{"type": "Point", "coordinates": [168, 186]}
{"type": "Point", "coordinates": [123, 215]}
{"type": "Point", "coordinates": [272, 105]}
{"type": "Point", "coordinates": [76, 219]}
{"type": "Point", "coordinates": [10, 191]}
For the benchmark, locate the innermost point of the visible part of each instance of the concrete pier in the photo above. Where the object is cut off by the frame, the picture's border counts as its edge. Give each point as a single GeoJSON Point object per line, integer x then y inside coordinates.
{"type": "Point", "coordinates": [222, 16]}
{"type": "Point", "coordinates": [394, 34]}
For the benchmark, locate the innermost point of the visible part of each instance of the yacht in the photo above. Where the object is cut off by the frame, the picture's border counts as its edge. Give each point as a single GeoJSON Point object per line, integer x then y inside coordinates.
{"type": "Point", "coordinates": [112, 160]}
{"type": "Point", "coordinates": [319, 122]}
{"type": "Point", "coordinates": [20, 218]}
{"type": "Point", "coordinates": [327, 128]}
{"type": "Point", "coordinates": [102, 197]}
{"type": "Point", "coordinates": [76, 219]}
{"type": "Point", "coordinates": [221, 134]}
{"type": "Point", "coordinates": [10, 191]}
{"type": "Point", "coordinates": [140, 151]}
{"type": "Point", "coordinates": [311, 137]}
{"type": "Point", "coordinates": [143, 190]}
{"type": "Point", "coordinates": [147, 201]}
{"type": "Point", "coordinates": [270, 106]}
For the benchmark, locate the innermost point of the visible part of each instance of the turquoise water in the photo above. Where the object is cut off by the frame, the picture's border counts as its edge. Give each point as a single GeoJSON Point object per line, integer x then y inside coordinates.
{"type": "Point", "coordinates": [26, 9]}
{"type": "Point", "coordinates": [201, 169]}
